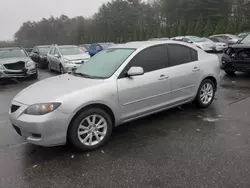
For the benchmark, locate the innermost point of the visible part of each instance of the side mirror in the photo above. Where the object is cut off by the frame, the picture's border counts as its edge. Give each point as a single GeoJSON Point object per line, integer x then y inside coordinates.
{"type": "Point", "coordinates": [135, 71]}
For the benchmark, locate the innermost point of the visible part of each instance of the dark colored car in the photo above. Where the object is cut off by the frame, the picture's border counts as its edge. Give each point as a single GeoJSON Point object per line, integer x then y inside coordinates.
{"type": "Point", "coordinates": [39, 55]}
{"type": "Point", "coordinates": [97, 47]}
{"type": "Point", "coordinates": [237, 57]}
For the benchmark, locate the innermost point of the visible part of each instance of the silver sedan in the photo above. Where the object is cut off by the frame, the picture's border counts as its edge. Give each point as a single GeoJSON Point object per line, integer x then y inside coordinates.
{"type": "Point", "coordinates": [118, 85]}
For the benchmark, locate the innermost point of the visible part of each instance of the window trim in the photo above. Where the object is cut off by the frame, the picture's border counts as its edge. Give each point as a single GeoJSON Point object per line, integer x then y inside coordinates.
{"type": "Point", "coordinates": [125, 69]}
{"type": "Point", "coordinates": [190, 50]}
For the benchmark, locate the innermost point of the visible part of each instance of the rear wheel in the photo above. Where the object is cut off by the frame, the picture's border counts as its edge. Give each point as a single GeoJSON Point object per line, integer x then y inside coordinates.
{"type": "Point", "coordinates": [61, 69]}
{"type": "Point", "coordinates": [230, 73]}
{"type": "Point", "coordinates": [90, 129]}
{"type": "Point", "coordinates": [205, 94]}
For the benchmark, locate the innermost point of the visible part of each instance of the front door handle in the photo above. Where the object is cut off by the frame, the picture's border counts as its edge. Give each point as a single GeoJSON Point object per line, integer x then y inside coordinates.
{"type": "Point", "coordinates": [163, 77]}
{"type": "Point", "coordinates": [195, 69]}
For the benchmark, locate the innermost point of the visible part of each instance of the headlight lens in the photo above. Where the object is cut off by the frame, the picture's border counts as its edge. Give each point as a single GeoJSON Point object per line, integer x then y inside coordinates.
{"type": "Point", "coordinates": [67, 61]}
{"type": "Point", "coordinates": [41, 109]}
{"type": "Point", "coordinates": [29, 63]}
{"type": "Point", "coordinates": [1, 67]}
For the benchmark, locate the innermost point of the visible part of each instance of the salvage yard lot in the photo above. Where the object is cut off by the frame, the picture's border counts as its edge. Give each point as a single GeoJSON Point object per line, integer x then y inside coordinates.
{"type": "Point", "coordinates": [182, 147]}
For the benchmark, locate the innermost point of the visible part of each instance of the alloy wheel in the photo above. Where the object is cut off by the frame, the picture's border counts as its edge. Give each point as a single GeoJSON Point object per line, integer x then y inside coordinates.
{"type": "Point", "coordinates": [92, 130]}
{"type": "Point", "coordinates": [206, 93]}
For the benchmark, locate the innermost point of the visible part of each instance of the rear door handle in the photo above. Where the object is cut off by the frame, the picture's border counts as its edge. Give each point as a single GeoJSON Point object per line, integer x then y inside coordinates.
{"type": "Point", "coordinates": [163, 77]}
{"type": "Point", "coordinates": [195, 69]}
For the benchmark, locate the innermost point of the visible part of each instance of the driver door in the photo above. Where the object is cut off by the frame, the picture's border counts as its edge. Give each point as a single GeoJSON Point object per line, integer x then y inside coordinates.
{"type": "Point", "coordinates": [143, 94]}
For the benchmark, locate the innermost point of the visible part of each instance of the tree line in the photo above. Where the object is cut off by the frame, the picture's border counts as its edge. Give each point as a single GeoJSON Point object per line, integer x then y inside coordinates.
{"type": "Point", "coordinates": [126, 20]}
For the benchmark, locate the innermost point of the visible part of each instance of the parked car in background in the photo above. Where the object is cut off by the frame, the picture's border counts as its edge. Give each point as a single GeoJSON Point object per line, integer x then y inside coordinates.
{"type": "Point", "coordinates": [64, 58]}
{"type": "Point", "coordinates": [158, 39]}
{"type": "Point", "coordinates": [15, 63]}
{"type": "Point", "coordinates": [243, 35]}
{"type": "Point", "coordinates": [85, 46]}
{"type": "Point", "coordinates": [28, 50]}
{"type": "Point", "coordinates": [39, 55]}
{"type": "Point", "coordinates": [201, 43]}
{"type": "Point", "coordinates": [118, 85]}
{"type": "Point", "coordinates": [237, 57]}
{"type": "Point", "coordinates": [219, 46]}
{"type": "Point", "coordinates": [231, 39]}
{"type": "Point", "coordinates": [97, 47]}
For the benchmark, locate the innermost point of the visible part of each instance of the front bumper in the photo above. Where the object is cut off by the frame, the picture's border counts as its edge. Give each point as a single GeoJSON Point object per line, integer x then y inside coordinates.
{"type": "Point", "coordinates": [44, 130]}
{"type": "Point", "coordinates": [229, 64]}
{"type": "Point", "coordinates": [26, 72]}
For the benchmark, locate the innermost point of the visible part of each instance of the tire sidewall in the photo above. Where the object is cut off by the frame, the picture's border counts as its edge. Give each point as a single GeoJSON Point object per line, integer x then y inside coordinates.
{"type": "Point", "coordinates": [198, 98]}
{"type": "Point", "coordinates": [73, 128]}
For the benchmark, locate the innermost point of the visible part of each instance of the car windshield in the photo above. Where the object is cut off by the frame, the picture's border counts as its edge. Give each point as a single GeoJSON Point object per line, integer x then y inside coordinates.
{"type": "Point", "coordinates": [246, 40]}
{"type": "Point", "coordinates": [104, 64]}
{"type": "Point", "coordinates": [70, 50]}
{"type": "Point", "coordinates": [9, 53]}
{"type": "Point", "coordinates": [196, 39]}
{"type": "Point", "coordinates": [44, 50]}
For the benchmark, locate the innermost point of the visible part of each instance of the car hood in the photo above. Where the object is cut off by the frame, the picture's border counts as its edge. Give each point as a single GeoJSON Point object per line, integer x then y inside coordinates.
{"type": "Point", "coordinates": [77, 57]}
{"type": "Point", "coordinates": [240, 45]}
{"type": "Point", "coordinates": [51, 89]}
{"type": "Point", "coordinates": [14, 60]}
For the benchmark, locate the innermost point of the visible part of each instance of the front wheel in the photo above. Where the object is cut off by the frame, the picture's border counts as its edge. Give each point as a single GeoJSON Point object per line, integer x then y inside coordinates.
{"type": "Point", "coordinates": [90, 129]}
{"type": "Point", "coordinates": [205, 94]}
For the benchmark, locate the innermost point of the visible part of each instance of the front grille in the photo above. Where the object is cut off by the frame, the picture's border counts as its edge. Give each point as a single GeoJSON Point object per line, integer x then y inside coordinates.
{"type": "Point", "coordinates": [15, 66]}
{"type": "Point", "coordinates": [14, 108]}
{"type": "Point", "coordinates": [18, 130]}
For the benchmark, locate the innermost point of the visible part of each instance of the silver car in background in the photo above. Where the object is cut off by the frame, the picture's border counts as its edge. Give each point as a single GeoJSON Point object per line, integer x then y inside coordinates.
{"type": "Point", "coordinates": [232, 39]}
{"type": "Point", "coordinates": [197, 41]}
{"type": "Point", "coordinates": [118, 85]}
{"type": "Point", "coordinates": [66, 57]}
{"type": "Point", "coordinates": [15, 63]}
{"type": "Point", "coordinates": [219, 46]}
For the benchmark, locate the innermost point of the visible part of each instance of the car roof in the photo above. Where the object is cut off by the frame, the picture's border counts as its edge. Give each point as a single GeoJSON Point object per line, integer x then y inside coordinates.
{"type": "Point", "coordinates": [67, 46]}
{"type": "Point", "coordinates": [11, 48]}
{"type": "Point", "coordinates": [41, 46]}
{"type": "Point", "coordinates": [142, 44]}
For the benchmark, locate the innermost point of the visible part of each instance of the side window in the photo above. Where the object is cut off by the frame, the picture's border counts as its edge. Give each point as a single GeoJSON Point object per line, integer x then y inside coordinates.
{"type": "Point", "coordinates": [98, 48]}
{"type": "Point", "coordinates": [179, 54]}
{"type": "Point", "coordinates": [56, 52]}
{"type": "Point", "coordinates": [51, 52]}
{"type": "Point", "coordinates": [151, 59]}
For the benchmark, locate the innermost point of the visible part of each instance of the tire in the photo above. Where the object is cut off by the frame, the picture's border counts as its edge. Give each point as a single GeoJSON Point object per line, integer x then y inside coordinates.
{"type": "Point", "coordinates": [230, 73]}
{"type": "Point", "coordinates": [207, 98]}
{"type": "Point", "coordinates": [80, 124]}
{"type": "Point", "coordinates": [49, 67]}
{"type": "Point", "coordinates": [61, 69]}
{"type": "Point", "coordinates": [34, 76]}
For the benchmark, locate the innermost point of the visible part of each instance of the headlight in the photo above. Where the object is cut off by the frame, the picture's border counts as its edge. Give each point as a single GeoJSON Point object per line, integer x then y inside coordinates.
{"type": "Point", "coordinates": [67, 61]}
{"type": "Point", "coordinates": [1, 67]}
{"type": "Point", "coordinates": [41, 109]}
{"type": "Point", "coordinates": [29, 63]}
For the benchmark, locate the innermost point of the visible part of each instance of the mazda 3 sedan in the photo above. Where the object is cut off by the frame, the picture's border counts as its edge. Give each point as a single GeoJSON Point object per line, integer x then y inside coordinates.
{"type": "Point", "coordinates": [118, 85]}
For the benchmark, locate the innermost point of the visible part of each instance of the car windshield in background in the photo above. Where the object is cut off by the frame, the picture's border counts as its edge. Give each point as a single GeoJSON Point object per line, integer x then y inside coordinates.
{"type": "Point", "coordinates": [104, 64]}
{"type": "Point", "coordinates": [196, 39]}
{"type": "Point", "coordinates": [246, 40]}
{"type": "Point", "coordinates": [105, 46]}
{"type": "Point", "coordinates": [9, 53]}
{"type": "Point", "coordinates": [44, 50]}
{"type": "Point", "coordinates": [70, 50]}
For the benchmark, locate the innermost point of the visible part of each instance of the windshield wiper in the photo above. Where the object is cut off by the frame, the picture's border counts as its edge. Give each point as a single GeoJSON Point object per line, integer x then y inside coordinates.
{"type": "Point", "coordinates": [86, 75]}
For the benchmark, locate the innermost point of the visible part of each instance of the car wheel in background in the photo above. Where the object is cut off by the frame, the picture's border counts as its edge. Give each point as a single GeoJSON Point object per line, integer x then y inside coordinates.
{"type": "Point", "coordinates": [34, 76]}
{"type": "Point", "coordinates": [90, 129]}
{"type": "Point", "coordinates": [230, 73]}
{"type": "Point", "coordinates": [61, 69]}
{"type": "Point", "coordinates": [49, 67]}
{"type": "Point", "coordinates": [205, 94]}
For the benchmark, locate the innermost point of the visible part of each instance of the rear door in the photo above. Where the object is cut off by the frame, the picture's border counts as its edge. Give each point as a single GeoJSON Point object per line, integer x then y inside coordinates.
{"type": "Point", "coordinates": [141, 95]}
{"type": "Point", "coordinates": [184, 70]}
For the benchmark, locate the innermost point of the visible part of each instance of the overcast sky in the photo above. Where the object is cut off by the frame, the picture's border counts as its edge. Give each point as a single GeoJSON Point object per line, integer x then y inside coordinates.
{"type": "Point", "coordinates": [14, 12]}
